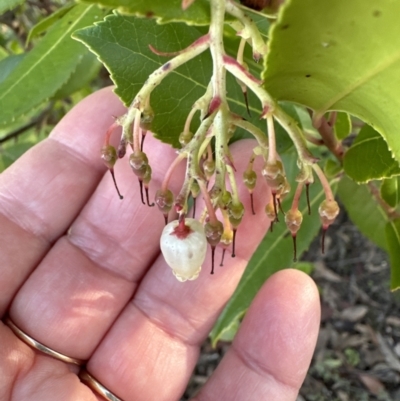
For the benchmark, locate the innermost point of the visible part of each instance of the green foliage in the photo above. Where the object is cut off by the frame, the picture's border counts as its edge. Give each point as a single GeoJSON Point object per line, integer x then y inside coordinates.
{"type": "Point", "coordinates": [197, 14]}
{"type": "Point", "coordinates": [370, 151]}
{"type": "Point", "coordinates": [8, 64]}
{"type": "Point", "coordinates": [87, 69]}
{"type": "Point", "coordinates": [342, 125]}
{"type": "Point", "coordinates": [43, 25]}
{"type": "Point", "coordinates": [390, 191]}
{"type": "Point", "coordinates": [343, 56]}
{"type": "Point", "coordinates": [393, 240]}
{"type": "Point", "coordinates": [11, 151]}
{"type": "Point", "coordinates": [47, 66]}
{"type": "Point", "coordinates": [9, 4]}
{"type": "Point", "coordinates": [363, 210]}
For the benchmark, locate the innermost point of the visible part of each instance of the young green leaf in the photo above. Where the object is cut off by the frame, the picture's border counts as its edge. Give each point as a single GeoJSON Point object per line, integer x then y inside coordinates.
{"type": "Point", "coordinates": [393, 240]}
{"type": "Point", "coordinates": [47, 66]}
{"type": "Point", "coordinates": [364, 211]}
{"type": "Point", "coordinates": [369, 158]}
{"type": "Point", "coordinates": [342, 126]}
{"type": "Point", "coordinates": [390, 191]}
{"type": "Point", "coordinates": [121, 41]}
{"type": "Point", "coordinates": [273, 254]}
{"type": "Point", "coordinates": [345, 57]}
{"type": "Point", "coordinates": [9, 4]}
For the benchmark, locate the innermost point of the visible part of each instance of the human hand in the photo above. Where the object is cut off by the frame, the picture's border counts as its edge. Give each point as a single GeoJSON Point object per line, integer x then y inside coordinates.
{"type": "Point", "coordinates": [81, 272]}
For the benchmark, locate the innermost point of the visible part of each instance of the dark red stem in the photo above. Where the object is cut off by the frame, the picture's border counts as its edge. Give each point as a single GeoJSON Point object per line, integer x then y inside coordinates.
{"type": "Point", "coordinates": [141, 191]}
{"type": "Point", "coordinates": [252, 203]}
{"type": "Point", "coordinates": [115, 183]}
{"type": "Point", "coordinates": [234, 242]}
{"type": "Point", "coordinates": [308, 197]}
{"type": "Point", "coordinates": [212, 259]}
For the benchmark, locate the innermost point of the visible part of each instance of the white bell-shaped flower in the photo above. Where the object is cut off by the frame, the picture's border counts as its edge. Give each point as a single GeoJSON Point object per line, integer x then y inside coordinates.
{"type": "Point", "coordinates": [184, 250]}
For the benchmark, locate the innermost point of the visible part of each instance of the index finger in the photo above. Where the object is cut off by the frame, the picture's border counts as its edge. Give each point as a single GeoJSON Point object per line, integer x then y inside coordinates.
{"type": "Point", "coordinates": [42, 206]}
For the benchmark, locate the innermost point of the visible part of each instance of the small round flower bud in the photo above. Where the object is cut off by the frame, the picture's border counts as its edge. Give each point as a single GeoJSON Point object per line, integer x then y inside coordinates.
{"type": "Point", "coordinates": [139, 163]}
{"type": "Point", "coordinates": [328, 210]}
{"type": "Point", "coordinates": [185, 137]}
{"type": "Point", "coordinates": [122, 148]}
{"type": "Point", "coordinates": [231, 131]}
{"type": "Point", "coordinates": [285, 189]}
{"type": "Point", "coordinates": [147, 175]}
{"type": "Point", "coordinates": [236, 212]}
{"type": "Point", "coordinates": [274, 175]}
{"type": "Point", "coordinates": [293, 220]}
{"type": "Point", "coordinates": [109, 156]}
{"type": "Point", "coordinates": [209, 168]}
{"type": "Point", "coordinates": [213, 232]}
{"type": "Point", "coordinates": [184, 248]}
{"type": "Point", "coordinates": [146, 118]}
{"type": "Point", "coordinates": [195, 189]}
{"type": "Point", "coordinates": [164, 200]}
{"type": "Point", "coordinates": [250, 179]}
{"type": "Point", "coordinates": [225, 200]}
{"type": "Point", "coordinates": [270, 211]}
{"type": "Point", "coordinates": [215, 192]}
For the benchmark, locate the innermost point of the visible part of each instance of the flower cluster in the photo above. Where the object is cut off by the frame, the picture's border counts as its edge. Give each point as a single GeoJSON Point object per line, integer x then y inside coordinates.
{"type": "Point", "coordinates": [207, 155]}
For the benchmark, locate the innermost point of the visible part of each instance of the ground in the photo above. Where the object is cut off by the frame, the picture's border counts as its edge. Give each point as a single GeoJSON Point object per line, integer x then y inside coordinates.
{"type": "Point", "coordinates": [358, 351]}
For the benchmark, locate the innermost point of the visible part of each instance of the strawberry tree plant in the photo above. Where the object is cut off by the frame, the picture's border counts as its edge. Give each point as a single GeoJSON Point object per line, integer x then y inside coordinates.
{"type": "Point", "coordinates": [315, 83]}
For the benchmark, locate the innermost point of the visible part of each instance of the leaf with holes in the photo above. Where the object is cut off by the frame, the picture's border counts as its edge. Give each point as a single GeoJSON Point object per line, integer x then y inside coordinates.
{"type": "Point", "coordinates": [346, 58]}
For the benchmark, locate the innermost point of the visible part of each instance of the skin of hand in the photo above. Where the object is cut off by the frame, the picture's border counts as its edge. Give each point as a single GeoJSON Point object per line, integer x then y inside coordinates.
{"type": "Point", "coordinates": [81, 272]}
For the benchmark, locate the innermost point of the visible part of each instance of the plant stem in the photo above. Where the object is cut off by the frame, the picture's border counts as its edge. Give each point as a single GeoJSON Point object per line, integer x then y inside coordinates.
{"type": "Point", "coordinates": [271, 139]}
{"type": "Point", "coordinates": [250, 30]}
{"type": "Point", "coordinates": [324, 182]}
{"type": "Point", "coordinates": [207, 201]}
{"type": "Point", "coordinates": [168, 174]}
{"type": "Point", "coordinates": [296, 135]}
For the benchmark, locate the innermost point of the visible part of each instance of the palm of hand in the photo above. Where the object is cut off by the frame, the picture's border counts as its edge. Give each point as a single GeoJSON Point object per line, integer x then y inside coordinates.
{"type": "Point", "coordinates": [81, 272]}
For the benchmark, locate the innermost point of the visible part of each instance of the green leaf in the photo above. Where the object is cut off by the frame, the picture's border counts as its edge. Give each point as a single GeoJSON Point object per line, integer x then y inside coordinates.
{"type": "Point", "coordinates": [43, 25]}
{"type": "Point", "coordinates": [305, 267]}
{"type": "Point", "coordinates": [85, 72]}
{"type": "Point", "coordinates": [342, 126]}
{"type": "Point", "coordinates": [342, 55]}
{"type": "Point", "coordinates": [47, 66]}
{"type": "Point", "coordinates": [11, 151]}
{"type": "Point", "coordinates": [8, 64]}
{"type": "Point", "coordinates": [121, 41]}
{"type": "Point", "coordinates": [393, 240]}
{"type": "Point", "coordinates": [390, 191]}
{"type": "Point", "coordinates": [369, 158]}
{"type": "Point", "coordinates": [273, 254]}
{"type": "Point", "coordinates": [332, 168]}
{"type": "Point", "coordinates": [197, 14]}
{"type": "Point", "coordinates": [9, 4]}
{"type": "Point", "coordinates": [363, 210]}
